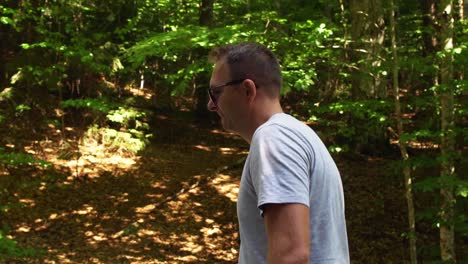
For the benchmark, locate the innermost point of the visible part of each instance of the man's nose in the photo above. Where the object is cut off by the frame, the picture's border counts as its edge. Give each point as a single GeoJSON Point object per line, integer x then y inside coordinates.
{"type": "Point", "coordinates": [211, 106]}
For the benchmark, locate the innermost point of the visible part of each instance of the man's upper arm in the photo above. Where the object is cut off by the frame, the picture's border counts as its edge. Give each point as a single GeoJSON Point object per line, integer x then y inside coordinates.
{"type": "Point", "coordinates": [287, 227]}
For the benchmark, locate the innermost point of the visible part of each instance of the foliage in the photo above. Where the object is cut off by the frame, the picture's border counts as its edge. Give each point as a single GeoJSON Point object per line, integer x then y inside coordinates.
{"type": "Point", "coordinates": [10, 248]}
{"type": "Point", "coordinates": [113, 141]}
{"type": "Point", "coordinates": [124, 116]}
{"type": "Point", "coordinates": [126, 129]}
{"type": "Point", "coordinates": [368, 118]}
{"type": "Point", "coordinates": [305, 35]}
{"type": "Point", "coordinates": [99, 104]}
{"type": "Point", "coordinates": [16, 159]}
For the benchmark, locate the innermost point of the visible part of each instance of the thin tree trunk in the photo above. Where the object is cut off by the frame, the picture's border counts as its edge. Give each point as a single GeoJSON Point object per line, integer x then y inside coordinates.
{"type": "Point", "coordinates": [358, 21]}
{"type": "Point", "coordinates": [206, 13]}
{"type": "Point", "coordinates": [429, 22]}
{"type": "Point", "coordinates": [367, 35]}
{"type": "Point", "coordinates": [377, 31]}
{"type": "Point", "coordinates": [461, 6]}
{"type": "Point", "coordinates": [206, 20]}
{"type": "Point", "coordinates": [460, 10]}
{"type": "Point", "coordinates": [447, 232]}
{"type": "Point", "coordinates": [344, 23]}
{"type": "Point", "coordinates": [333, 83]}
{"type": "Point", "coordinates": [401, 143]}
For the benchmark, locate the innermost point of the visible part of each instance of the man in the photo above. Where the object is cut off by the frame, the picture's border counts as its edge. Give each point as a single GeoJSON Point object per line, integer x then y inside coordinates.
{"type": "Point", "coordinates": [290, 205]}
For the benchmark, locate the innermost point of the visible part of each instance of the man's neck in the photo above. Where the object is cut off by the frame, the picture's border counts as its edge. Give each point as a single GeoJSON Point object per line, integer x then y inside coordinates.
{"type": "Point", "coordinates": [262, 113]}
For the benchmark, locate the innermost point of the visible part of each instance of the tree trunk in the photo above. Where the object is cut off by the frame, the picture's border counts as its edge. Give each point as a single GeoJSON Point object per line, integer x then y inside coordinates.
{"type": "Point", "coordinates": [459, 11]}
{"type": "Point", "coordinates": [403, 144]}
{"type": "Point", "coordinates": [201, 95]}
{"type": "Point", "coordinates": [333, 83]}
{"type": "Point", "coordinates": [463, 5]}
{"type": "Point", "coordinates": [447, 233]}
{"type": "Point", "coordinates": [367, 33]}
{"type": "Point", "coordinates": [429, 22]}
{"type": "Point", "coordinates": [206, 13]}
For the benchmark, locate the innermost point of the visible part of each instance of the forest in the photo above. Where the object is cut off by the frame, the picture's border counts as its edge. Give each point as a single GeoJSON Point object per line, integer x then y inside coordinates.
{"type": "Point", "coordinates": [108, 153]}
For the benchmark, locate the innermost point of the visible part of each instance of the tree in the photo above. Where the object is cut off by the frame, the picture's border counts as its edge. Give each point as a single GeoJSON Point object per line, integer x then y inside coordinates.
{"type": "Point", "coordinates": [402, 143]}
{"type": "Point", "coordinates": [367, 33]}
{"type": "Point", "coordinates": [205, 20]}
{"type": "Point", "coordinates": [447, 148]}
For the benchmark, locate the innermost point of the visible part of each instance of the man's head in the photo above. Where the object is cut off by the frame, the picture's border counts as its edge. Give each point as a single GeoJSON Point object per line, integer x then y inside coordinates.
{"type": "Point", "coordinates": [245, 86]}
{"type": "Point", "coordinates": [248, 60]}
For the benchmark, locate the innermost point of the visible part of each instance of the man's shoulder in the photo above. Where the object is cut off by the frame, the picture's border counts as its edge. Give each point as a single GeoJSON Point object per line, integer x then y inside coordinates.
{"type": "Point", "coordinates": [284, 126]}
{"type": "Point", "coordinates": [281, 121]}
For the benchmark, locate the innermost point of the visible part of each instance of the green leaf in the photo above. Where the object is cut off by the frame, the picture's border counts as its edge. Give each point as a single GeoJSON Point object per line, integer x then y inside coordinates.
{"type": "Point", "coordinates": [6, 94]}
{"type": "Point", "coordinates": [462, 187]}
{"type": "Point", "coordinates": [21, 108]}
{"type": "Point", "coordinates": [6, 20]}
{"type": "Point", "coordinates": [116, 65]}
{"type": "Point", "coordinates": [463, 192]}
{"type": "Point", "coordinates": [25, 46]}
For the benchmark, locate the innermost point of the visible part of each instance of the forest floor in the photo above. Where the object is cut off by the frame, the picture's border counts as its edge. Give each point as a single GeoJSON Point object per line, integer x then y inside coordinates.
{"type": "Point", "coordinates": [176, 203]}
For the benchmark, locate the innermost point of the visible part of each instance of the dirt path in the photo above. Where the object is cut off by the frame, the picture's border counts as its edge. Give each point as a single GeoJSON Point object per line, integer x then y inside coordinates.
{"type": "Point", "coordinates": [122, 216]}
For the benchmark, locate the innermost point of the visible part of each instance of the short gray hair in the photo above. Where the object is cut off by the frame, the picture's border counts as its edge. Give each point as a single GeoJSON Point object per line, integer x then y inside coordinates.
{"type": "Point", "coordinates": [249, 60]}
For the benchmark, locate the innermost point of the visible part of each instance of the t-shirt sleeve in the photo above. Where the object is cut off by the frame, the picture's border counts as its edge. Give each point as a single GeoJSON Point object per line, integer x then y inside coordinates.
{"type": "Point", "coordinates": [279, 167]}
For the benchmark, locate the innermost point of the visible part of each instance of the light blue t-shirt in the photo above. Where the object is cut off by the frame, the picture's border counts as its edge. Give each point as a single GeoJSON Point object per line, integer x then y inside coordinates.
{"type": "Point", "coordinates": [288, 163]}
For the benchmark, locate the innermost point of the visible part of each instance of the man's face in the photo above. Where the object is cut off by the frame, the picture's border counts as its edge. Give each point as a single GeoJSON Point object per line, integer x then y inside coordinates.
{"type": "Point", "coordinates": [225, 97]}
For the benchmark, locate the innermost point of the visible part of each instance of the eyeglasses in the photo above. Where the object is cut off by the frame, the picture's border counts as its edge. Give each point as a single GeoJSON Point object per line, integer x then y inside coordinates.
{"type": "Point", "coordinates": [215, 93]}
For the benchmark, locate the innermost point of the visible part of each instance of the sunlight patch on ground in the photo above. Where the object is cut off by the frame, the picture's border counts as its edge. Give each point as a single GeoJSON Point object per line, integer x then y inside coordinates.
{"type": "Point", "coordinates": [226, 186]}
{"type": "Point", "coordinates": [201, 147]}
{"type": "Point", "coordinates": [158, 185]}
{"type": "Point", "coordinates": [157, 196]}
{"type": "Point", "coordinates": [123, 198]}
{"type": "Point", "coordinates": [57, 216]}
{"type": "Point", "coordinates": [212, 234]}
{"type": "Point", "coordinates": [23, 229]}
{"type": "Point", "coordinates": [147, 233]}
{"type": "Point", "coordinates": [28, 202]}
{"type": "Point", "coordinates": [213, 237]}
{"type": "Point", "coordinates": [159, 239]}
{"type": "Point", "coordinates": [145, 209]}
{"type": "Point", "coordinates": [142, 92]}
{"type": "Point", "coordinates": [63, 258]}
{"type": "Point", "coordinates": [87, 209]}
{"type": "Point", "coordinates": [231, 151]}
{"type": "Point", "coordinates": [188, 258]}
{"type": "Point", "coordinates": [88, 158]}
{"type": "Point", "coordinates": [191, 241]}
{"type": "Point", "coordinates": [218, 131]}
{"type": "Point", "coordinates": [42, 225]}
{"type": "Point", "coordinates": [198, 218]}
{"type": "Point", "coordinates": [93, 238]}
{"type": "Point", "coordinates": [224, 150]}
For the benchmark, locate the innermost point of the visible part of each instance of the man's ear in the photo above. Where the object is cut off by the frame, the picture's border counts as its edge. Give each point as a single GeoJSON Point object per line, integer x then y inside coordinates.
{"type": "Point", "coordinates": [250, 89]}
